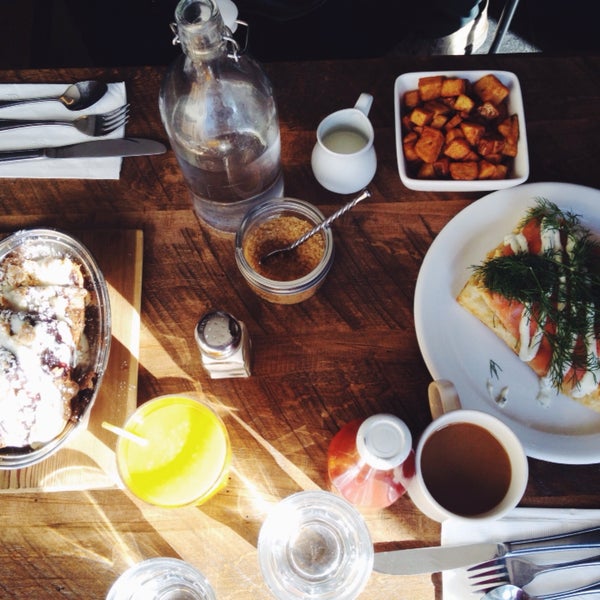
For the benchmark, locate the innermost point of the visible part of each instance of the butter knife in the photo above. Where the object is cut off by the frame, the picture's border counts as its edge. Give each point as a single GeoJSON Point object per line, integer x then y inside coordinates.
{"type": "Point", "coordinates": [94, 149]}
{"type": "Point", "coordinates": [440, 558]}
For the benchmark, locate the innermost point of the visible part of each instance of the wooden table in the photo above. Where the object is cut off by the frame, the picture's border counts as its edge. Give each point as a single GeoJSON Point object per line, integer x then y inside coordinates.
{"type": "Point", "coordinates": [349, 352]}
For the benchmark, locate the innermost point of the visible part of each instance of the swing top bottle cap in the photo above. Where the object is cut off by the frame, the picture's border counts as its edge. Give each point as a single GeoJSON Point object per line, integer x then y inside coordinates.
{"type": "Point", "coordinates": [384, 441]}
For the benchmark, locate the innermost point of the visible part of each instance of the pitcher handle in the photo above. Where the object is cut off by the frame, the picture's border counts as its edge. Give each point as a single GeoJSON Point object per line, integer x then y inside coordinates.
{"type": "Point", "coordinates": [443, 397]}
{"type": "Point", "coordinates": [364, 103]}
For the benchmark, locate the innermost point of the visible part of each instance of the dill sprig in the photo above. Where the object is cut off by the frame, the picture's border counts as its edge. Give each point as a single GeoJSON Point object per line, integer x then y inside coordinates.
{"type": "Point", "coordinates": [494, 368]}
{"type": "Point", "coordinates": [560, 288]}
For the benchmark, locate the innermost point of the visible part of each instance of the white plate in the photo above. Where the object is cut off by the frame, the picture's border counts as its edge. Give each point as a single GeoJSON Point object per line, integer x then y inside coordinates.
{"type": "Point", "coordinates": [457, 346]}
{"type": "Point", "coordinates": [520, 169]}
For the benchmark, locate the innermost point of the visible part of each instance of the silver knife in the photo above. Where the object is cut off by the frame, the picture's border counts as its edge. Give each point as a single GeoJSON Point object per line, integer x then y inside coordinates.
{"type": "Point", "coordinates": [96, 148]}
{"type": "Point", "coordinates": [440, 558]}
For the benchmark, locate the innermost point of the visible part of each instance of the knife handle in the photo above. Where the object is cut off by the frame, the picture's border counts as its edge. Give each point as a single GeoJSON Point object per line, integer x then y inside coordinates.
{"type": "Point", "coordinates": [9, 155]}
{"type": "Point", "coordinates": [583, 538]}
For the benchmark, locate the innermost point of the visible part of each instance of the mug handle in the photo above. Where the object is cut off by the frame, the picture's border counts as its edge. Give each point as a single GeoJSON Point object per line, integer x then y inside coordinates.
{"type": "Point", "coordinates": [364, 103]}
{"type": "Point", "coordinates": [443, 397]}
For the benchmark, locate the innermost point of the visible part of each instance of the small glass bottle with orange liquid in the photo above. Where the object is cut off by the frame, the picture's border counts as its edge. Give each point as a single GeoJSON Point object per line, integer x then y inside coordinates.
{"type": "Point", "coordinates": [370, 460]}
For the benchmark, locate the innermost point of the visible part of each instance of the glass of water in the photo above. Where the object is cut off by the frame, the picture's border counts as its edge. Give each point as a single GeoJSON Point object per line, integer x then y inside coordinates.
{"type": "Point", "coordinates": [161, 579]}
{"type": "Point", "coordinates": [315, 545]}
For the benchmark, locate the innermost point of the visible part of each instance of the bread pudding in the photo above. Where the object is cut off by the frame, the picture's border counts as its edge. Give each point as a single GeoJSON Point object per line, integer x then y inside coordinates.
{"type": "Point", "coordinates": [43, 344]}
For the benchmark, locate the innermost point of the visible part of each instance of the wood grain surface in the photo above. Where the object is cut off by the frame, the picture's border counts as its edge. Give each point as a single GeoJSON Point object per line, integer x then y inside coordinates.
{"type": "Point", "coordinates": [348, 352]}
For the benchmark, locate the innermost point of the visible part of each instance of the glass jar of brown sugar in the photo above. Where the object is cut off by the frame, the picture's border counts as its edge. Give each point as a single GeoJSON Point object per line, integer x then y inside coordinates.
{"type": "Point", "coordinates": [293, 276]}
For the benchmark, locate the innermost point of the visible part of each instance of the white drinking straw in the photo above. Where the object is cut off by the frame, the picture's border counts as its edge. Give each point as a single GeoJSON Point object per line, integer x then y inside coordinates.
{"type": "Point", "coordinates": [124, 433]}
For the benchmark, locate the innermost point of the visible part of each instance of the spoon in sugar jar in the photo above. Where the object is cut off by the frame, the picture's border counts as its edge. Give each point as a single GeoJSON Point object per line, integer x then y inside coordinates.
{"type": "Point", "coordinates": [326, 223]}
{"type": "Point", "coordinates": [77, 96]}
{"type": "Point", "coordinates": [513, 592]}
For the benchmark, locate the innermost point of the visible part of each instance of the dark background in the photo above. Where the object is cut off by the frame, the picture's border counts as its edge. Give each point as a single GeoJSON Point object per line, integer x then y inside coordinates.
{"type": "Point", "coordinates": [80, 33]}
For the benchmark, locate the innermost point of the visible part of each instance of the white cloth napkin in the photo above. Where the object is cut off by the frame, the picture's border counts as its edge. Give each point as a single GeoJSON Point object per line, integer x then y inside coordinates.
{"type": "Point", "coordinates": [524, 523]}
{"type": "Point", "coordinates": [50, 135]}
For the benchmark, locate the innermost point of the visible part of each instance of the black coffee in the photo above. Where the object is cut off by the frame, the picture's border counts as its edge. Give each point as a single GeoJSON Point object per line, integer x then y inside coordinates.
{"type": "Point", "coordinates": [466, 469]}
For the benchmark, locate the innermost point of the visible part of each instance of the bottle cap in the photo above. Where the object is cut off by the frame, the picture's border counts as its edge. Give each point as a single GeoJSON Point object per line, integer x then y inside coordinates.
{"type": "Point", "coordinates": [218, 334]}
{"type": "Point", "coordinates": [383, 441]}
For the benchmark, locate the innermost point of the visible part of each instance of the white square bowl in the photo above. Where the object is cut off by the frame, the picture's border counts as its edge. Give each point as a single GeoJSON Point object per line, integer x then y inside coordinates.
{"type": "Point", "coordinates": [520, 168]}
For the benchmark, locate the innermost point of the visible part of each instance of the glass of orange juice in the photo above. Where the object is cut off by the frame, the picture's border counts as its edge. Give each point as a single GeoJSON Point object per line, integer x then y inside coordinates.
{"type": "Point", "coordinates": [178, 454]}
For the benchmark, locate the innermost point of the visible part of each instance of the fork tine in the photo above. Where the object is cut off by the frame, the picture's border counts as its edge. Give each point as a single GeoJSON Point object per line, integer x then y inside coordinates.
{"type": "Point", "coordinates": [112, 127]}
{"type": "Point", "coordinates": [495, 562]}
{"type": "Point", "coordinates": [116, 119]}
{"type": "Point", "coordinates": [114, 115]}
{"type": "Point", "coordinates": [109, 122]}
{"type": "Point", "coordinates": [489, 572]}
{"type": "Point", "coordinates": [117, 111]}
{"type": "Point", "coordinates": [489, 588]}
{"type": "Point", "coordinates": [488, 575]}
{"type": "Point", "coordinates": [493, 581]}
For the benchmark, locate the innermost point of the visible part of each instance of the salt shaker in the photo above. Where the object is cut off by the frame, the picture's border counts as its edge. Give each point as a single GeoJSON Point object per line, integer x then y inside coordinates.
{"type": "Point", "coordinates": [224, 345]}
{"type": "Point", "coordinates": [369, 461]}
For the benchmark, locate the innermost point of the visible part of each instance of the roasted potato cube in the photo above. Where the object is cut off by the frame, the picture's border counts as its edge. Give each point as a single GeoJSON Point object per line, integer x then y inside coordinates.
{"type": "Point", "coordinates": [407, 123]}
{"type": "Point", "coordinates": [453, 86]}
{"type": "Point", "coordinates": [429, 145]}
{"type": "Point", "coordinates": [441, 167]}
{"type": "Point", "coordinates": [454, 121]}
{"type": "Point", "coordinates": [411, 137]}
{"type": "Point", "coordinates": [488, 111]}
{"type": "Point", "coordinates": [452, 134]}
{"type": "Point", "coordinates": [494, 158]}
{"type": "Point", "coordinates": [439, 121]}
{"type": "Point", "coordinates": [490, 145]}
{"type": "Point", "coordinates": [487, 170]}
{"type": "Point", "coordinates": [501, 172]}
{"type": "Point", "coordinates": [464, 104]}
{"type": "Point", "coordinates": [464, 170]}
{"type": "Point", "coordinates": [472, 131]}
{"type": "Point", "coordinates": [426, 171]}
{"type": "Point", "coordinates": [509, 149]}
{"type": "Point", "coordinates": [408, 145]}
{"type": "Point", "coordinates": [509, 129]}
{"type": "Point", "coordinates": [490, 89]}
{"type": "Point", "coordinates": [437, 107]}
{"type": "Point", "coordinates": [458, 149]}
{"type": "Point", "coordinates": [411, 98]}
{"type": "Point", "coordinates": [430, 87]}
{"type": "Point", "coordinates": [421, 116]}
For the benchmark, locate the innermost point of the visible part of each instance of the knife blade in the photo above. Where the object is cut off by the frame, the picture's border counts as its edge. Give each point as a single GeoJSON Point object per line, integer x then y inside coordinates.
{"type": "Point", "coordinates": [413, 561]}
{"type": "Point", "coordinates": [97, 148]}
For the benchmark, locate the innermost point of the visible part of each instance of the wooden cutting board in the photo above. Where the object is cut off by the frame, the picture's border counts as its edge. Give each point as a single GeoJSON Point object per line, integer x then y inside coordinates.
{"type": "Point", "coordinates": [87, 460]}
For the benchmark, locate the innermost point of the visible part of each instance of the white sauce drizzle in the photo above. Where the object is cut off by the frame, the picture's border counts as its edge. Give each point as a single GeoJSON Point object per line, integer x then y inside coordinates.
{"type": "Point", "coordinates": [545, 388]}
{"type": "Point", "coordinates": [517, 242]}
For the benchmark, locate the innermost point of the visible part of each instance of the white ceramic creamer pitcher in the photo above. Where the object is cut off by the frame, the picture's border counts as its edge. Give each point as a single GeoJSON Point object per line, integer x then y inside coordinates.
{"type": "Point", "coordinates": [343, 159]}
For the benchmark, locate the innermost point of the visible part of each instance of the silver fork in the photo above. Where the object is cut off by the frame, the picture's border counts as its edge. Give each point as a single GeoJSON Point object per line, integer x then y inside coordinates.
{"type": "Point", "coordinates": [518, 571]}
{"type": "Point", "coordinates": [93, 125]}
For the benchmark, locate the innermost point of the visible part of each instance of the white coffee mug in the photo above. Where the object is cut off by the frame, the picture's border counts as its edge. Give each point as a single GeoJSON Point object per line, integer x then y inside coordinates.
{"type": "Point", "coordinates": [469, 465]}
{"type": "Point", "coordinates": [343, 159]}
